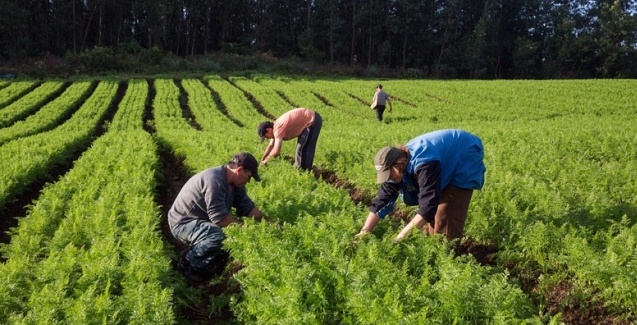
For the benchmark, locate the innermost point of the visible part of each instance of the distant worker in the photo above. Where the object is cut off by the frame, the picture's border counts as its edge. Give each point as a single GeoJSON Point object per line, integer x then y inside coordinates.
{"type": "Point", "coordinates": [300, 123]}
{"type": "Point", "coordinates": [437, 171]}
{"type": "Point", "coordinates": [202, 209]}
{"type": "Point", "coordinates": [378, 102]}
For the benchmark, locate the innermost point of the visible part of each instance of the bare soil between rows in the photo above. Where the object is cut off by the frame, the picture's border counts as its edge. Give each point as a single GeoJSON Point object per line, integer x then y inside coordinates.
{"type": "Point", "coordinates": [558, 299]}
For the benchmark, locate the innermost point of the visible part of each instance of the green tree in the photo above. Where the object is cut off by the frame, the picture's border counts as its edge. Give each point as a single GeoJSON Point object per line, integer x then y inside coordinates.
{"type": "Point", "coordinates": [616, 41]}
{"type": "Point", "coordinates": [13, 29]}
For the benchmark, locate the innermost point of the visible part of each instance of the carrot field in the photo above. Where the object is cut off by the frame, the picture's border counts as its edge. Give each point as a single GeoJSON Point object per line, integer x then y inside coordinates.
{"type": "Point", "coordinates": [89, 169]}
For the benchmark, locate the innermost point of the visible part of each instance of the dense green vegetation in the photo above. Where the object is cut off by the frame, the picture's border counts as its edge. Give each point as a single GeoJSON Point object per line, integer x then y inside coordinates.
{"type": "Point", "coordinates": [557, 211]}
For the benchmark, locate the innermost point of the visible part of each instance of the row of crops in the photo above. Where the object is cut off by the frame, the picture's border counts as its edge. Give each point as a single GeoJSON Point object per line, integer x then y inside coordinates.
{"type": "Point", "coordinates": [557, 211]}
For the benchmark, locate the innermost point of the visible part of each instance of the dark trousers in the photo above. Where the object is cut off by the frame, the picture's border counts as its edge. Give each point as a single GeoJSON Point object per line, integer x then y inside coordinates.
{"type": "Point", "coordinates": [451, 214]}
{"type": "Point", "coordinates": [204, 240]}
{"type": "Point", "coordinates": [306, 144]}
{"type": "Point", "coordinates": [380, 109]}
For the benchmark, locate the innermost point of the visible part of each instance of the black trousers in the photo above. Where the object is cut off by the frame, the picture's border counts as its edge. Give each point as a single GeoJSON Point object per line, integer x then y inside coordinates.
{"type": "Point", "coordinates": [306, 144]}
{"type": "Point", "coordinates": [380, 109]}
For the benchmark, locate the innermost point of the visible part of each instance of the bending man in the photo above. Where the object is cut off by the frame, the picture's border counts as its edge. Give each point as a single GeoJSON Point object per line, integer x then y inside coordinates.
{"type": "Point", "coordinates": [300, 123]}
{"type": "Point", "coordinates": [202, 209]}
{"type": "Point", "coordinates": [437, 171]}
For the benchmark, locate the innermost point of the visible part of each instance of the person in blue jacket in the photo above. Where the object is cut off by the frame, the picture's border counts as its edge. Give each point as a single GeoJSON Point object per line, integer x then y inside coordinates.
{"type": "Point", "coordinates": [437, 171]}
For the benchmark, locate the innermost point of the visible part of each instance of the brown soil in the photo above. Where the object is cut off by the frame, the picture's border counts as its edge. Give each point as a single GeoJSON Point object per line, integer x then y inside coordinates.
{"type": "Point", "coordinates": [9, 216]}
{"type": "Point", "coordinates": [257, 104]}
{"type": "Point", "coordinates": [483, 253]}
{"type": "Point", "coordinates": [323, 100]}
{"type": "Point", "coordinates": [285, 98]}
{"type": "Point", "coordinates": [358, 196]}
{"type": "Point", "coordinates": [403, 101]}
{"type": "Point", "coordinates": [559, 299]}
{"type": "Point", "coordinates": [360, 100]}
{"type": "Point", "coordinates": [574, 311]}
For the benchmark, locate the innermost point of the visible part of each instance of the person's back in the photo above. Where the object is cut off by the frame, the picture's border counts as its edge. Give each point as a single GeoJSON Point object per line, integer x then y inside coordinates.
{"type": "Point", "coordinates": [442, 146]}
{"type": "Point", "coordinates": [300, 123]}
{"type": "Point", "coordinates": [190, 202]}
{"type": "Point", "coordinates": [437, 171]}
{"type": "Point", "coordinates": [208, 196]}
{"type": "Point", "coordinates": [381, 97]}
{"type": "Point", "coordinates": [290, 125]}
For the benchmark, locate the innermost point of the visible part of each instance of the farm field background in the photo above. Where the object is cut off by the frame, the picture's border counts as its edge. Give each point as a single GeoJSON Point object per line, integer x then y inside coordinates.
{"type": "Point", "coordinates": [90, 168]}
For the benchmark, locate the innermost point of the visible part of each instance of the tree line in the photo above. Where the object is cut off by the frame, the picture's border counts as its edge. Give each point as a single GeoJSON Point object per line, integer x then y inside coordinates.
{"type": "Point", "coordinates": [432, 38]}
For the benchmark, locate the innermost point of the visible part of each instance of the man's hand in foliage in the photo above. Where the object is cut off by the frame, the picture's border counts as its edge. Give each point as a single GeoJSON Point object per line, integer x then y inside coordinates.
{"type": "Point", "coordinates": [362, 233]}
{"type": "Point", "coordinates": [397, 240]}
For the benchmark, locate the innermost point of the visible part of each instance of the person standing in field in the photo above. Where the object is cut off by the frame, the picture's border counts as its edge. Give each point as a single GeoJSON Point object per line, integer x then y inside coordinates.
{"type": "Point", "coordinates": [378, 102]}
{"type": "Point", "coordinates": [437, 171]}
{"type": "Point", "coordinates": [300, 123]}
{"type": "Point", "coordinates": [202, 209]}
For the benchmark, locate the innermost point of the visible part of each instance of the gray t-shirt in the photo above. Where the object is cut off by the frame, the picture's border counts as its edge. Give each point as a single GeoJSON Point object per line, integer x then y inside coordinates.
{"type": "Point", "coordinates": [380, 98]}
{"type": "Point", "coordinates": [208, 196]}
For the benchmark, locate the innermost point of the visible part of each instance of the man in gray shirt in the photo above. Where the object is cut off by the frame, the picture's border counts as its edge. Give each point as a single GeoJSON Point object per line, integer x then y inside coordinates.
{"type": "Point", "coordinates": [202, 209]}
{"type": "Point", "coordinates": [379, 101]}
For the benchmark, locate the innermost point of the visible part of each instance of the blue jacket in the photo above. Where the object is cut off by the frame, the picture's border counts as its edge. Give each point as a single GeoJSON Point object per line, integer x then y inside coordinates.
{"type": "Point", "coordinates": [436, 160]}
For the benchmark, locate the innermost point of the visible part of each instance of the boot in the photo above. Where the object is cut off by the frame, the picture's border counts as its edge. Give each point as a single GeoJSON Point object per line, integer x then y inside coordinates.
{"type": "Point", "coordinates": [189, 272]}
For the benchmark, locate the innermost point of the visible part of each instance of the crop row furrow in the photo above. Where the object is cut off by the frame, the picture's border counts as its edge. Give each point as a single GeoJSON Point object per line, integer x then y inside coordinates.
{"type": "Point", "coordinates": [273, 104]}
{"type": "Point", "coordinates": [255, 102]}
{"type": "Point", "coordinates": [558, 204]}
{"type": "Point", "coordinates": [30, 103]}
{"type": "Point", "coordinates": [203, 106]}
{"type": "Point", "coordinates": [316, 263]}
{"type": "Point", "coordinates": [129, 115]}
{"type": "Point", "coordinates": [183, 140]}
{"type": "Point", "coordinates": [51, 114]}
{"type": "Point", "coordinates": [235, 101]}
{"type": "Point", "coordinates": [89, 251]}
{"type": "Point", "coordinates": [41, 153]}
{"type": "Point", "coordinates": [302, 97]}
{"type": "Point", "coordinates": [15, 90]}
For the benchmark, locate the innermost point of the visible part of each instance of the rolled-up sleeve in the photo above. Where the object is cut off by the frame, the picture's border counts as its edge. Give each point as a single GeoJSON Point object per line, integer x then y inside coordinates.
{"type": "Point", "coordinates": [383, 203]}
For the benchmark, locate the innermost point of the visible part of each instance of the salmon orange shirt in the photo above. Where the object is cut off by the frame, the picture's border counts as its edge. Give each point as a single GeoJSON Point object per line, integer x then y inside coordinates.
{"type": "Point", "coordinates": [291, 124]}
